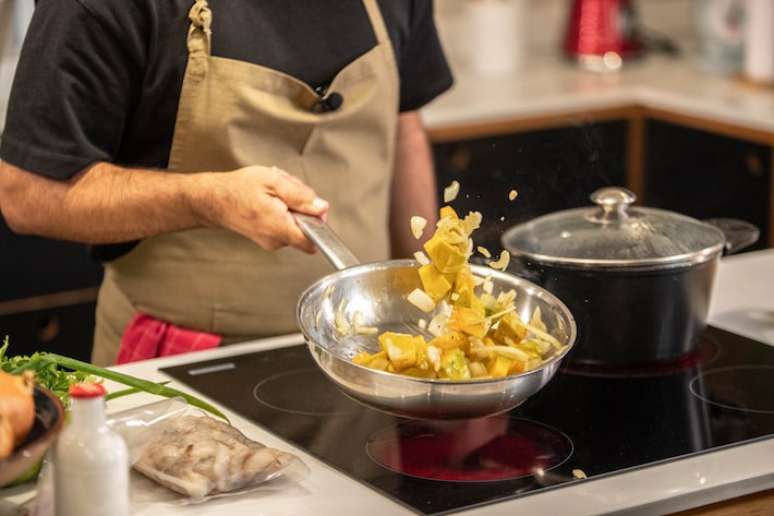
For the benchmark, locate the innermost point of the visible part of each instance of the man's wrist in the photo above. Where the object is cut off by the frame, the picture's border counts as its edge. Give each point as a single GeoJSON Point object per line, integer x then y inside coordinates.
{"type": "Point", "coordinates": [199, 198]}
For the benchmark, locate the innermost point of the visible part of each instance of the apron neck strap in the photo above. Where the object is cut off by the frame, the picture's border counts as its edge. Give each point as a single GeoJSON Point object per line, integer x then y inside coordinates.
{"type": "Point", "coordinates": [377, 21]}
{"type": "Point", "coordinates": [199, 33]}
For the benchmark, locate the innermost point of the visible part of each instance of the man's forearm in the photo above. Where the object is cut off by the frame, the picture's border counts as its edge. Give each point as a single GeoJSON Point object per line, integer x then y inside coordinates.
{"type": "Point", "coordinates": [413, 186]}
{"type": "Point", "coordinates": [103, 204]}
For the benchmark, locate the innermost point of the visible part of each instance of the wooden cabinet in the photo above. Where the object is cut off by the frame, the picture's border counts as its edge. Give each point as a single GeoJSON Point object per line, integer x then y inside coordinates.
{"type": "Point", "coordinates": [699, 173]}
{"type": "Point", "coordinates": [47, 294]}
{"type": "Point", "coordinates": [68, 330]}
{"type": "Point", "coordinates": [707, 175]}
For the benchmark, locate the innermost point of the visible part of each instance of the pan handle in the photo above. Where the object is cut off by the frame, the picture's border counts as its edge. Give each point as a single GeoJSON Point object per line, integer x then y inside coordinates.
{"type": "Point", "coordinates": [739, 234]}
{"type": "Point", "coordinates": [326, 241]}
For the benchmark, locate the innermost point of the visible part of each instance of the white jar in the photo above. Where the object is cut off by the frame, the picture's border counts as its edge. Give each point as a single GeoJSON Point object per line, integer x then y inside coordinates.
{"type": "Point", "coordinates": [495, 35]}
{"type": "Point", "coordinates": [91, 462]}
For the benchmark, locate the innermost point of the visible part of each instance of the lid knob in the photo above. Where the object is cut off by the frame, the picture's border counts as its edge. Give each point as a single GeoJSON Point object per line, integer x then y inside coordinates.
{"type": "Point", "coordinates": [613, 202]}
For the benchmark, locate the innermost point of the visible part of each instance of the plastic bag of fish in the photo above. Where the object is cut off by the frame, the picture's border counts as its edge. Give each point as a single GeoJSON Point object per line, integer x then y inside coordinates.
{"type": "Point", "coordinates": [182, 456]}
{"type": "Point", "coordinates": [197, 455]}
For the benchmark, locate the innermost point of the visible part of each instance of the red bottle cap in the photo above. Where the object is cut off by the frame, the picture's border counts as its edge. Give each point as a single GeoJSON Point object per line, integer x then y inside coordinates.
{"type": "Point", "coordinates": [87, 390]}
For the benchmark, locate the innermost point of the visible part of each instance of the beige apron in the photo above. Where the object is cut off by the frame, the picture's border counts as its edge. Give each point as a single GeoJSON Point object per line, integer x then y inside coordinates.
{"type": "Point", "coordinates": [234, 114]}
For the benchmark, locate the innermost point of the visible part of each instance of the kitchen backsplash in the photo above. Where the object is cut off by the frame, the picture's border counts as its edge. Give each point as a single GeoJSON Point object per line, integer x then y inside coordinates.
{"type": "Point", "coordinates": [544, 24]}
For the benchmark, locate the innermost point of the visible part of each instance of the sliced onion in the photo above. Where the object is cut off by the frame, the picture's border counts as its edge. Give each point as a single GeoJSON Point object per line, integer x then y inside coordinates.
{"type": "Point", "coordinates": [422, 323]}
{"type": "Point", "coordinates": [502, 263]}
{"type": "Point", "coordinates": [421, 258]}
{"type": "Point", "coordinates": [488, 286]}
{"type": "Point", "coordinates": [478, 280]}
{"type": "Point", "coordinates": [472, 221]}
{"type": "Point", "coordinates": [511, 352]}
{"type": "Point", "coordinates": [342, 324]}
{"type": "Point", "coordinates": [484, 251]}
{"type": "Point", "coordinates": [418, 226]}
{"type": "Point", "coordinates": [450, 192]}
{"type": "Point", "coordinates": [512, 195]}
{"type": "Point", "coordinates": [434, 357]}
{"type": "Point", "coordinates": [421, 300]}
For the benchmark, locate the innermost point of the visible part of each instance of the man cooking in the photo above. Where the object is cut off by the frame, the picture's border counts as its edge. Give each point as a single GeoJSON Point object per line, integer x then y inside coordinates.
{"type": "Point", "coordinates": [176, 137]}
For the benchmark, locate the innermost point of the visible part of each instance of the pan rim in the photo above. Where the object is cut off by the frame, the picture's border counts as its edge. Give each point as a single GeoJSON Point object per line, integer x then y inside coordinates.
{"type": "Point", "coordinates": [388, 264]}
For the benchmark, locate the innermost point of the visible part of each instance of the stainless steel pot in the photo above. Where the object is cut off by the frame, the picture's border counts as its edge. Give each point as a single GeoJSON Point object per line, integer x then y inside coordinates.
{"type": "Point", "coordinates": [638, 280]}
{"type": "Point", "coordinates": [378, 291]}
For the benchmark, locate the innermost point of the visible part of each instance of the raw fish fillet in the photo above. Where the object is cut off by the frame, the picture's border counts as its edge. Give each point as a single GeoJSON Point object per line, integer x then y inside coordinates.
{"type": "Point", "coordinates": [200, 456]}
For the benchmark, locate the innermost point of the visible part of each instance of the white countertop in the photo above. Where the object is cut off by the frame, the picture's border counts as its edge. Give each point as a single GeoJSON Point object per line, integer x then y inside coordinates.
{"type": "Point", "coordinates": [742, 302]}
{"type": "Point", "coordinates": [552, 86]}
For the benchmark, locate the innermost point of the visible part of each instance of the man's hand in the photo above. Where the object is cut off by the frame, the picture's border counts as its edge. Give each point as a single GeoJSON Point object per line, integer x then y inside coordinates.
{"type": "Point", "coordinates": [106, 203]}
{"type": "Point", "coordinates": [256, 202]}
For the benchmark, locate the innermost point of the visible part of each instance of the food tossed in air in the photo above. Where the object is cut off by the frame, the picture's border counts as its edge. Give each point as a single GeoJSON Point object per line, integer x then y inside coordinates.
{"type": "Point", "coordinates": [474, 332]}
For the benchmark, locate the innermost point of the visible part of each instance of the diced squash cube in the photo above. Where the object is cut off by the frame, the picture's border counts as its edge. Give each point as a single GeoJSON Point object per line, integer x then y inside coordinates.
{"type": "Point", "coordinates": [362, 358]}
{"type": "Point", "coordinates": [397, 339]}
{"type": "Point", "coordinates": [517, 366]}
{"type": "Point", "coordinates": [422, 361]}
{"type": "Point", "coordinates": [401, 349]}
{"type": "Point", "coordinates": [448, 211]}
{"type": "Point", "coordinates": [379, 362]}
{"type": "Point", "coordinates": [469, 321]}
{"type": "Point", "coordinates": [446, 257]}
{"type": "Point", "coordinates": [468, 299]}
{"type": "Point", "coordinates": [419, 373]}
{"type": "Point", "coordinates": [454, 365]}
{"type": "Point", "coordinates": [510, 328]}
{"type": "Point", "coordinates": [464, 281]}
{"type": "Point", "coordinates": [500, 366]}
{"type": "Point", "coordinates": [433, 282]}
{"type": "Point", "coordinates": [449, 340]}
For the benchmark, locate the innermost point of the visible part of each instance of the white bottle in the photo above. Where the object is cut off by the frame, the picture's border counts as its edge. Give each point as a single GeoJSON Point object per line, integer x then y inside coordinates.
{"type": "Point", "coordinates": [91, 462]}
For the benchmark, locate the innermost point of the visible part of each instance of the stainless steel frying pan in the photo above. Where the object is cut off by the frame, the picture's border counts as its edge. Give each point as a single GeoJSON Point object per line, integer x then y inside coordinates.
{"type": "Point", "coordinates": [378, 291]}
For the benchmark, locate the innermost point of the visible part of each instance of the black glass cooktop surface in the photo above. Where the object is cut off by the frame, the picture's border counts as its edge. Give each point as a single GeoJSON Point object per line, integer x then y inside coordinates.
{"type": "Point", "coordinates": [600, 422]}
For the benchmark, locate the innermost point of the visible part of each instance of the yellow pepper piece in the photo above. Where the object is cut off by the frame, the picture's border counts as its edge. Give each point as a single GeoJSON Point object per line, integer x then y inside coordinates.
{"type": "Point", "coordinates": [403, 350]}
{"type": "Point", "coordinates": [433, 282]}
{"type": "Point", "coordinates": [454, 365]}
{"type": "Point", "coordinates": [468, 320]}
{"type": "Point", "coordinates": [446, 257]}
{"type": "Point", "coordinates": [500, 366]}
{"type": "Point", "coordinates": [448, 211]}
{"type": "Point", "coordinates": [510, 328]}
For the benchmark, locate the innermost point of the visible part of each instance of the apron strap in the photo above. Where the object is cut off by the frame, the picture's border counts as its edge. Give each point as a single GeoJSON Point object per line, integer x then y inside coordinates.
{"type": "Point", "coordinates": [199, 36]}
{"type": "Point", "coordinates": [377, 22]}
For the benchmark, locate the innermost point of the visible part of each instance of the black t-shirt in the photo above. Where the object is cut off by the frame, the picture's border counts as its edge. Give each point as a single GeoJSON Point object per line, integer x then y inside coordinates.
{"type": "Point", "coordinates": [100, 80]}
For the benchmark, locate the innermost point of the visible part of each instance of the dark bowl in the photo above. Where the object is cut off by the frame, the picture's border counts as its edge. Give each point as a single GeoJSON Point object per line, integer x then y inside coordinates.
{"type": "Point", "coordinates": [49, 418]}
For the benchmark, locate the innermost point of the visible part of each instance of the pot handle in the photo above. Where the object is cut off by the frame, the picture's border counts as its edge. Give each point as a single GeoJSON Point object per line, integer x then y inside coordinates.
{"type": "Point", "coordinates": [739, 234]}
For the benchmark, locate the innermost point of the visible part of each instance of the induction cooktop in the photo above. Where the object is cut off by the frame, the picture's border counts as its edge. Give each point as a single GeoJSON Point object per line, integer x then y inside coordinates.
{"type": "Point", "coordinates": [586, 423]}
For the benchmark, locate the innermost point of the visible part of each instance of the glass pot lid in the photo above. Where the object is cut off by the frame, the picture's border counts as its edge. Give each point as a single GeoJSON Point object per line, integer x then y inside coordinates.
{"type": "Point", "coordinates": [614, 234]}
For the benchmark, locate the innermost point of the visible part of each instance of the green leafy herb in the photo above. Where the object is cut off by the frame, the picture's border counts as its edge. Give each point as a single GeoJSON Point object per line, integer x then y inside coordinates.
{"type": "Point", "coordinates": [57, 373]}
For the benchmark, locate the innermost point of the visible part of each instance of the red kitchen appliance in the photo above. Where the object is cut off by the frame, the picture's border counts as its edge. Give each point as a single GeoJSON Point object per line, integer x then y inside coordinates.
{"type": "Point", "coordinates": [599, 28]}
